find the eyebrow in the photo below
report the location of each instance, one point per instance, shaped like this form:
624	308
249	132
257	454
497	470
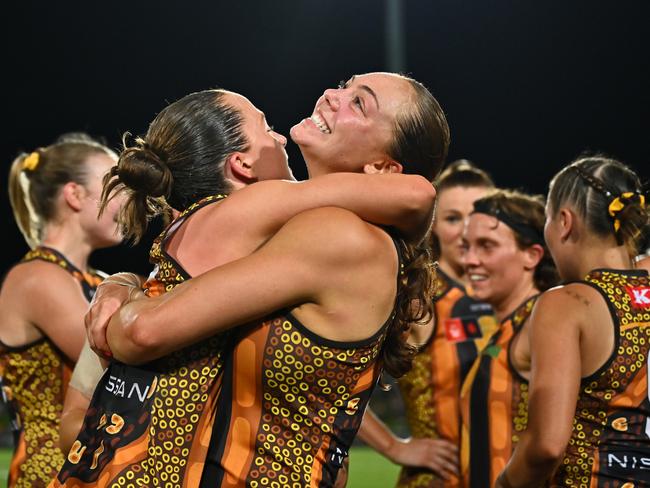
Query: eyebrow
367	89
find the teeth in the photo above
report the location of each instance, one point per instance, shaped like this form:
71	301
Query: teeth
477	277
320	123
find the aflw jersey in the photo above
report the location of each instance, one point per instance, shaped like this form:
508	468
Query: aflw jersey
34	381
494	405
150	425
291	405
431	390
610	444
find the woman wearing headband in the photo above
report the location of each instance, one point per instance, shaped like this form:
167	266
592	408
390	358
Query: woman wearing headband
54	192
590	339
507	266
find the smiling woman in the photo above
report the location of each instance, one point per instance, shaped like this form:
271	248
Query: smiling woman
508	265
322	298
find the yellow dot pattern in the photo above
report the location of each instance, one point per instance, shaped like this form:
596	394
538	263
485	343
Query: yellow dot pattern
35	378
603	413
186	380
311	399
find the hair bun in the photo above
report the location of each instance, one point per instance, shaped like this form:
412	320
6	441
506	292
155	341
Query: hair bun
144	169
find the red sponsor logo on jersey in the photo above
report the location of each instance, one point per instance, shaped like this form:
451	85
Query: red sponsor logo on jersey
454	330
639	296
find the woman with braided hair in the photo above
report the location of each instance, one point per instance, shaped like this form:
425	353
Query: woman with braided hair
54	192
589	411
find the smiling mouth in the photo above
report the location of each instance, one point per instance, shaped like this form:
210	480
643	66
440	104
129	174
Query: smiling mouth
320	123
475	277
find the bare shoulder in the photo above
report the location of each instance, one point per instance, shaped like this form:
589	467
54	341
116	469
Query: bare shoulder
38	279
568	304
339	232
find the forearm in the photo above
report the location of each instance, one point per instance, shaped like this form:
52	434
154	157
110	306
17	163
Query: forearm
377	435
72	417
530	466
69	428
405	202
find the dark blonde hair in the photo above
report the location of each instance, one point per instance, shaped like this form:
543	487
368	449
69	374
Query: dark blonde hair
178	162
524	214
460	173
36	178
421	134
589	185
420	144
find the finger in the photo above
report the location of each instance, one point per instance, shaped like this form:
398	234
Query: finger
445	445
97	330
448	457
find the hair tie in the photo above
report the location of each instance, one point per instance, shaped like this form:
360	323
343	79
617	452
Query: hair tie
31	162
619	203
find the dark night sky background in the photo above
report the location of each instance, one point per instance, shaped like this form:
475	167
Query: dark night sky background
526	86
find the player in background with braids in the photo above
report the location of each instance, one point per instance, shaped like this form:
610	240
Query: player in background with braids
447	349
590	340
54	192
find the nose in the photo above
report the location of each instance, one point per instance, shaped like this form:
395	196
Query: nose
470	257
280	138
331	96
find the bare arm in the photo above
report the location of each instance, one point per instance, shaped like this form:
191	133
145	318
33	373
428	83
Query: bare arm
87	373
40	299
296	266
438	455
554	386
405	202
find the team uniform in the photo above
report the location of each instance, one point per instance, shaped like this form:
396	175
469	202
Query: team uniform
610	443
149	425
35	378
291	405
431	390
494	405
265	404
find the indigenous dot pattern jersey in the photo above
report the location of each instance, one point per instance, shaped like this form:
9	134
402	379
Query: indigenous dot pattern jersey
290	406
150	425
35	378
494	405
610	443
431	390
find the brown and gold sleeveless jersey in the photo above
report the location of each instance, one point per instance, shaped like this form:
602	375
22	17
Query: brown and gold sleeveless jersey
610	443
150	425
290	406
431	390
494	405
35	378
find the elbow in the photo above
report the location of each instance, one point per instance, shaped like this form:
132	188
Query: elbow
423	195
546	454
136	341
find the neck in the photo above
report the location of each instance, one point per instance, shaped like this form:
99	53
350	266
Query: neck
509	304
456	273
70	242
598	254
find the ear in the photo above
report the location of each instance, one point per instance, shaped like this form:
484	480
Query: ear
383	166
238	169
567	224
73	194
532	256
